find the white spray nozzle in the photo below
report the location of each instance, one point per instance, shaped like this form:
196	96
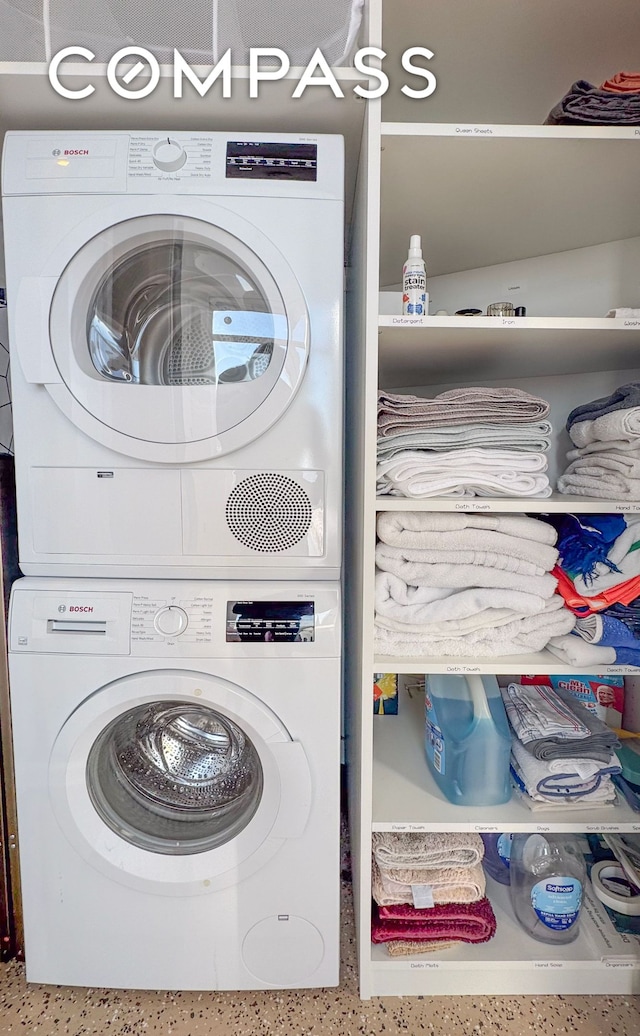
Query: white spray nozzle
415	247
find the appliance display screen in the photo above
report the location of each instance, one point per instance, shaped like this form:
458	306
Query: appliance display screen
249	160
274	621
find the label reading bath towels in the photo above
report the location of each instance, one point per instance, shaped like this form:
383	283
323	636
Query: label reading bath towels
557	901
433	736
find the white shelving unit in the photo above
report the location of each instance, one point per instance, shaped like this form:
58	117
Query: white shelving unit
490	197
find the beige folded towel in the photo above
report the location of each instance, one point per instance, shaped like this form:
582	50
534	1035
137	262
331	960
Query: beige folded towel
426	850
447	884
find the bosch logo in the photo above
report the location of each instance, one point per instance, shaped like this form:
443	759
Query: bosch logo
76	151
56	152
62	607
80	608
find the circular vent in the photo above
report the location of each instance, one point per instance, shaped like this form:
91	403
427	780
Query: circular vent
268	512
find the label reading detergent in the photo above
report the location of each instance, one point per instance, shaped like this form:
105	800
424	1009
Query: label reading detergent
503	847
557	901
433	736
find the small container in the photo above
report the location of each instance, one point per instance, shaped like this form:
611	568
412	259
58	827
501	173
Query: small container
521	311
500	309
415	301
468	312
497	856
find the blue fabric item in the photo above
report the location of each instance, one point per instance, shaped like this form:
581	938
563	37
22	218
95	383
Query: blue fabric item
627	613
628	655
621	398
584	540
615	634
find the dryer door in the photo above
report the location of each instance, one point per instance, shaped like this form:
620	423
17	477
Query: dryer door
173	781
176	338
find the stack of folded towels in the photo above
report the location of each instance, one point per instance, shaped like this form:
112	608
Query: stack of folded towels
429	891
616	102
562	754
598	576
606	434
466	442
466	585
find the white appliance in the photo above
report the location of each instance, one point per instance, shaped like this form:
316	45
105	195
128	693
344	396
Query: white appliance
177	770
175	321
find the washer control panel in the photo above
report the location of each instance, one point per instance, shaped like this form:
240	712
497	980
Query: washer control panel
158	158
158	620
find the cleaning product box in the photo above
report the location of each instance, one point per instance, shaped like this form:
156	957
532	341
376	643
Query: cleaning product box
385	694
604	695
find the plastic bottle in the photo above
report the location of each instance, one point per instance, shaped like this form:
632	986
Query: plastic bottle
497	856
415	301
548	875
467	739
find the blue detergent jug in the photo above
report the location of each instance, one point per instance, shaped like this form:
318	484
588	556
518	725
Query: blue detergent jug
467	739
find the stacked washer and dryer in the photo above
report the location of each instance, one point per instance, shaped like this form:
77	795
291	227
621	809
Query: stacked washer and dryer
176	336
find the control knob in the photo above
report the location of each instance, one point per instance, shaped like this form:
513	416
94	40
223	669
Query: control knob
171	621
168	155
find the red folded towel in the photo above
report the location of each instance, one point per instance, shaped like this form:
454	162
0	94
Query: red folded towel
623	83
466	922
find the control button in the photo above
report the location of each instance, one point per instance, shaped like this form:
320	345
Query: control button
171	621
168	155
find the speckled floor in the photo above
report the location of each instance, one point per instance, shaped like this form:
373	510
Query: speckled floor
65	1011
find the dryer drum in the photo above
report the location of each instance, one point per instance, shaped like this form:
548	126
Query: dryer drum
174	777
179	313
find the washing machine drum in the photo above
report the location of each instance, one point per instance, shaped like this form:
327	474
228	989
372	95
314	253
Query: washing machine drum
174	778
177	339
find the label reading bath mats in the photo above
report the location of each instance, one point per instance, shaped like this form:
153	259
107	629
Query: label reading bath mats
557	901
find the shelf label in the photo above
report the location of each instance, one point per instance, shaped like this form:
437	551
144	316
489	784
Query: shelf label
633	508
463	669
419	965
543	828
602	828
475	131
632	323
549	964
620	964
473	507
509	322
408	321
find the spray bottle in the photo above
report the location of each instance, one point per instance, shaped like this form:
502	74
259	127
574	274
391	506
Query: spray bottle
415	301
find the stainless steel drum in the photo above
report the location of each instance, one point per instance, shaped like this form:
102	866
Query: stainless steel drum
179	312
174	777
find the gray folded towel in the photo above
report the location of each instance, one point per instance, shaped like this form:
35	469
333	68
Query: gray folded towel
622	398
600	744
399	413
586	105
527	438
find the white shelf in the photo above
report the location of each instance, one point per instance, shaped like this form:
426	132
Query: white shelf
434	350
406	798
598	961
557	503
538	662
481	201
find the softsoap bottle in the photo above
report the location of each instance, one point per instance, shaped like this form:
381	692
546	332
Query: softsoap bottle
547	880
415	301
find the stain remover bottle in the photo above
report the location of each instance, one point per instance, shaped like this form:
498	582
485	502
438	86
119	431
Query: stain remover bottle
415	301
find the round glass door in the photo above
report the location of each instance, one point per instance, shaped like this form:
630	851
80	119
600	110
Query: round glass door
180	338
180	312
174	778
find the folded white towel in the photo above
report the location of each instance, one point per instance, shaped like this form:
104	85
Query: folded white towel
392	559
605	486
618	424
425	604
394	523
623	462
574	650
416	474
403	530
521	636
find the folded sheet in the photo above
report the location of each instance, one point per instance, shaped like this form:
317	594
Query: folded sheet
399	413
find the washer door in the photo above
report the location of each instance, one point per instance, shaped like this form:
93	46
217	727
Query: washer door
177	339
177	782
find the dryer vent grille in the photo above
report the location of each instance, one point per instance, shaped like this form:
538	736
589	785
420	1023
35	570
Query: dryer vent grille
269	512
